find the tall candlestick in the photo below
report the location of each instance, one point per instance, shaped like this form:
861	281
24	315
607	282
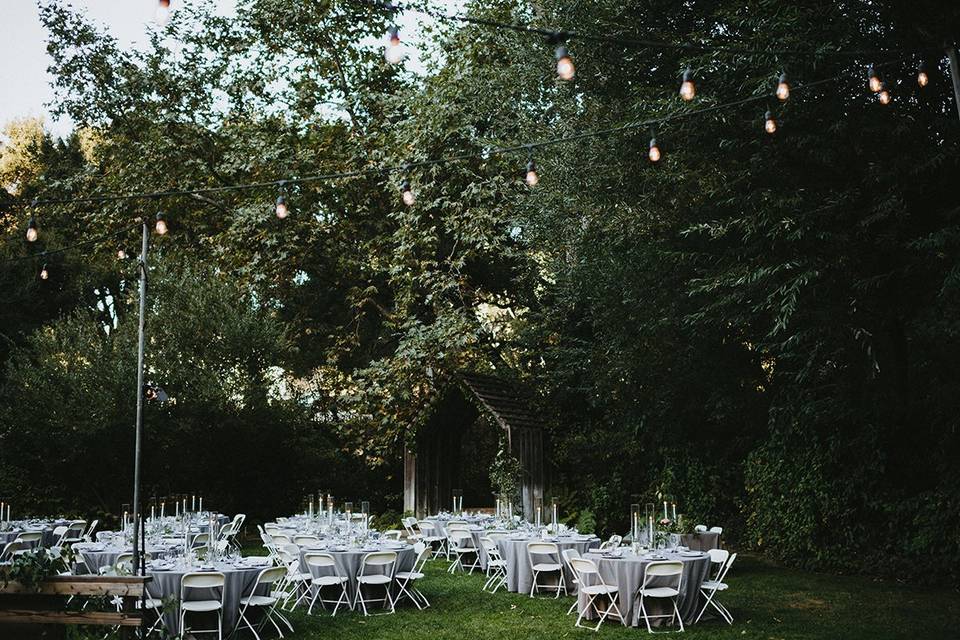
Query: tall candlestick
201	504
674	511
177	503
153	512
162	509
193	502
665	516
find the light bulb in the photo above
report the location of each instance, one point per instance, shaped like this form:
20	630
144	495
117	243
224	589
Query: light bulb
884	95
922	78
687	89
783	87
162	14
769	124
875	84
121	253
407	193
565	68
32	230
44	274
393	51
654	153
532	179
281	209
161	224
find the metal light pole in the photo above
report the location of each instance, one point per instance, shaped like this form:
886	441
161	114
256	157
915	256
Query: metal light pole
954	74
142	267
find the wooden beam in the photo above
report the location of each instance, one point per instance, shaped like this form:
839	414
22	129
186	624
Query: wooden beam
97	618
126	586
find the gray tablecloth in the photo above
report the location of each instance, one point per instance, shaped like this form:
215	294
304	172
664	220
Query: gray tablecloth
519	572
701	541
166	584
96	559
627	574
348	563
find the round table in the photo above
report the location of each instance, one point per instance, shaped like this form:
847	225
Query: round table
513	550
238	580
626	572
348	561
96	556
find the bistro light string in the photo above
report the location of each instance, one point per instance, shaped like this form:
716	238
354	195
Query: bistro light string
687	91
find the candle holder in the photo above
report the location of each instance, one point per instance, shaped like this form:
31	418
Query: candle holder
635	523
538	509
365	510
555	513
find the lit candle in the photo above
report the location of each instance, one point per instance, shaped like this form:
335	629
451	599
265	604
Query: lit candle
124	520
193	502
2	512
665	516
153	514
162	505
201	504
674	511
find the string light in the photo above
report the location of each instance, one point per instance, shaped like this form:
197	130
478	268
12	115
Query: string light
874	80
406	193
393	51
687	89
121	253
769	124
32	229
161	224
783	88
884	95
565	67
281	208
922	78
654	153
531	177
162	14
44	274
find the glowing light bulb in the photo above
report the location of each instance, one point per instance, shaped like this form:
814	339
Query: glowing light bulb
884	95
875	84
922	78
687	89
161	224
654	153
281	208
121	253
32	231
565	68
406	193
532	179
162	13
393	51
783	87
769	124
44	274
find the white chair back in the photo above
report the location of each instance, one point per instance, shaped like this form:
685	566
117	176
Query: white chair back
392	534
30	537
305	540
717	530
383	561
700	528
666	573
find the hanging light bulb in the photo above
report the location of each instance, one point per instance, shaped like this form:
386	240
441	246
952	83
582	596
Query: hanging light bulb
654	153
922	78
687	89
565	68
161	224
393	51
769	124
44	274
783	87
162	14
874	80
531	178
884	95
121	253
406	192
32	230
281	209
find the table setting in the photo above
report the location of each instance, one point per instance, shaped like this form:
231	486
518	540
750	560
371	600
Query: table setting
513	550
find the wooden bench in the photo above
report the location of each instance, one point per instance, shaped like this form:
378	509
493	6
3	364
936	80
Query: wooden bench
48	603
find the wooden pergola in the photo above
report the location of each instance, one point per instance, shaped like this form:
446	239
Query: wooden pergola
433	465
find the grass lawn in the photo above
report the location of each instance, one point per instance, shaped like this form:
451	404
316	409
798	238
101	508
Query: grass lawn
767	602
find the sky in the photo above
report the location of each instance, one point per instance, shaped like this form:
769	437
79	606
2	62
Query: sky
24	82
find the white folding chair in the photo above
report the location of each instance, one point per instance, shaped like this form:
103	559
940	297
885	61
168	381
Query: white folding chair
717	530
700	528
406	580
392	534
461	545
12	549
568	556
31	538
266	580
88	534
718	558
197	580
304	540
536	549
200	540
612	543
324	563
661	581
593	586
409	525
496	565
431	534
709	590
382	564
297	581
59	533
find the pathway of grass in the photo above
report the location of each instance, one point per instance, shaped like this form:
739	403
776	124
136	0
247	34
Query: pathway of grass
767	602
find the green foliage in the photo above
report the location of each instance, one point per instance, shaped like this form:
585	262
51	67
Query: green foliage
506	473
586	522
33	567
